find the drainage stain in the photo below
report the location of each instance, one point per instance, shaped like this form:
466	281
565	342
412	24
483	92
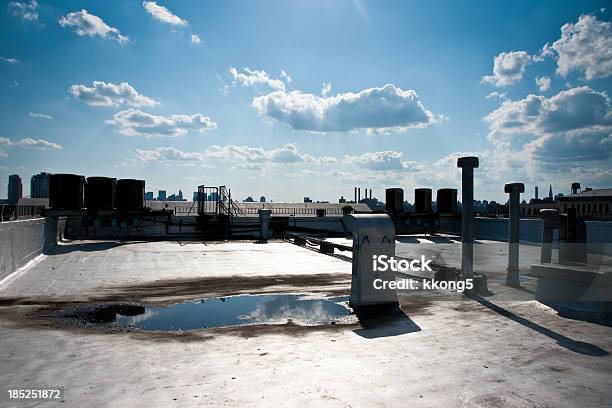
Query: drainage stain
240	310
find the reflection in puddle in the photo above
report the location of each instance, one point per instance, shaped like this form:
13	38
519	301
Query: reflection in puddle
222	312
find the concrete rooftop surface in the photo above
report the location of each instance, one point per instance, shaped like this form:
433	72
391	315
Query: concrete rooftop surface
461	352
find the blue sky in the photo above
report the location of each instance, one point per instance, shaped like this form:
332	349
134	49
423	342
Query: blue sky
307	98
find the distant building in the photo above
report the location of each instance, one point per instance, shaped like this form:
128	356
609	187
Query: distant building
307	200
149	195
249	199
39	185
262	199
14	189
589	203
180	195
550	193
342	200
161	195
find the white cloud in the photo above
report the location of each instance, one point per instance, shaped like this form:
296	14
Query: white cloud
195	39
134	122
384	160
543	83
162	14
41	144
501	95
36	115
245	157
109	94
575	108
509	67
531	137
385	109
27	11
326	89
584	46
286	77
10	60
577	146
85	24
28	142
249	77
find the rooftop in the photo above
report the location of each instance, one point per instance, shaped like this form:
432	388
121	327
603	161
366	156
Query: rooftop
596	192
457	352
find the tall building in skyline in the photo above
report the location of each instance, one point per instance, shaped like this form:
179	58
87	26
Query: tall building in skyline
39	185
161	195
14	189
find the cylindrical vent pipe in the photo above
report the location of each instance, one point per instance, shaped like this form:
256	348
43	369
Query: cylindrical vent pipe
422	200
446	200
394	202
130	194
100	193
66	191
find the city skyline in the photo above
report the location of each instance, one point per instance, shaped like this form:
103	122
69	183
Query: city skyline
308	98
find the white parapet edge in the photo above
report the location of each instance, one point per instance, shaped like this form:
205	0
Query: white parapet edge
20	271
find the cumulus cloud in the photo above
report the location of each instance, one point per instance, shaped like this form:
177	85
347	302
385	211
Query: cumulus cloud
388	160
571	109
109	94
584	46
385	109
286	77
40	144
509	67
195	39
36	115
28	142
543	83
249	77
573	146
85	24
246	157
326	89
162	14
134	122
501	95
9	60
25	10
574	125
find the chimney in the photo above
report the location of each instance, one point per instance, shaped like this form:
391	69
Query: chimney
355	194
536	193
358	194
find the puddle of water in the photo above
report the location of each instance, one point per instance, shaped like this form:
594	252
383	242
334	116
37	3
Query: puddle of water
223	312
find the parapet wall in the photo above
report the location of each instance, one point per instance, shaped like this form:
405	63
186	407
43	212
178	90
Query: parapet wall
21	241
599	233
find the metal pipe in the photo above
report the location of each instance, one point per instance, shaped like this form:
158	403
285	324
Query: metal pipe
514	190
551	220
467	165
